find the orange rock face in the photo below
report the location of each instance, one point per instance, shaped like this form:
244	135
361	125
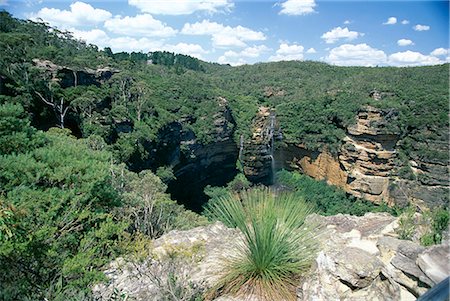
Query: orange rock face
364	163
324	167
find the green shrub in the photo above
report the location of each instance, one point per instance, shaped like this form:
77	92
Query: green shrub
277	247
329	200
439	223
406	224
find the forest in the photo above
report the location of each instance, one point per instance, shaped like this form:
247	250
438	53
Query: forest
80	183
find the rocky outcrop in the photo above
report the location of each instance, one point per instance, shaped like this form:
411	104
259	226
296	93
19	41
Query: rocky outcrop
257	152
366	160
360	258
368	154
427	183
367	164
322	166
198	253
70	77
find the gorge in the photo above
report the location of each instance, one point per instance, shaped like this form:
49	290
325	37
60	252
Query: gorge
108	156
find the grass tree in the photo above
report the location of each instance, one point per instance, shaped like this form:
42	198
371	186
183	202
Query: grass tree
278	247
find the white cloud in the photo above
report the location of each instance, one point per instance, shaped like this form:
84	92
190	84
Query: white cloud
181	7
411	58
311	50
404	42
298	7
80	14
101	39
347	22
130	44
338	33
288	52
254	51
141	25
390	21
194	50
239	58
440	52
223	36
405	22
420	27
356	55
95	36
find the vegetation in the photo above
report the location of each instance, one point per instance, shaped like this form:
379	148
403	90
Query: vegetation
328	200
427	227
73	198
177	88
66	209
278	246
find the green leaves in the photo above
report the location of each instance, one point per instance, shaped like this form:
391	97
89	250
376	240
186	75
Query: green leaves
277	248
328	200
64	197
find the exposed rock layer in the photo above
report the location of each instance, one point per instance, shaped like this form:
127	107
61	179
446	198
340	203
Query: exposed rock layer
367	164
70	77
257	153
360	258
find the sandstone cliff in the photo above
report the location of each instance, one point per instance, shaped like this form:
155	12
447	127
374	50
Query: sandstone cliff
360	258
70	77
367	164
257	153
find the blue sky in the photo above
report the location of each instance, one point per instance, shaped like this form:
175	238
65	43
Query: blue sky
364	33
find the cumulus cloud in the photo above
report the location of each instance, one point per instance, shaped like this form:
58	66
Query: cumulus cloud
288	52
140	25
223	36
80	14
194	50
404	42
181	7
311	50
405	22
390	21
297	7
338	33
126	43
239	58
356	55
411	58
95	36
347	22
420	27
130	44
440	52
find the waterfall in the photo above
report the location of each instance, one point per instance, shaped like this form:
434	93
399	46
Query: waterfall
241	147
272	146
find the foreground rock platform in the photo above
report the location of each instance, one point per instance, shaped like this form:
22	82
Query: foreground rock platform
360	258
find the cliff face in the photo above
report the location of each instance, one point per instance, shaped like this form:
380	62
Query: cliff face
428	181
194	164
367	165
368	154
257	153
70	77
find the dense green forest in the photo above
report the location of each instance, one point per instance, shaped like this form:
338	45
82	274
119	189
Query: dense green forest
73	191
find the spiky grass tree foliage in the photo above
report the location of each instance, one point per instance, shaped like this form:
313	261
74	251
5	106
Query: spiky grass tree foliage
277	246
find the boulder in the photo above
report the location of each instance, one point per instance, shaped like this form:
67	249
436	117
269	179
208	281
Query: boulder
435	262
